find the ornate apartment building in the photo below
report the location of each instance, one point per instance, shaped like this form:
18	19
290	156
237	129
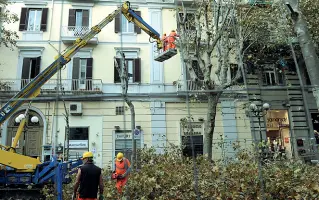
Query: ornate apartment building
90	87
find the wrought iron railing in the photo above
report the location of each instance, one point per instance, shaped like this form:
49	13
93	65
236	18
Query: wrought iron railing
67	85
197	86
74	31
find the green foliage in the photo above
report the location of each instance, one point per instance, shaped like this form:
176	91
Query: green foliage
310	9
268	25
7	37
171	176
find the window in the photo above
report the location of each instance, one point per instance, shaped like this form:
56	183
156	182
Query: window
78	141
127	27
79	133
134	70
315	122
82	73
189	24
79	21
233	71
123	143
119	110
30	69
123	25
190	20
33	19
197	145
197	70
272	76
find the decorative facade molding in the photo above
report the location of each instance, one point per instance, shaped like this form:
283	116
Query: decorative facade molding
82	4
35	3
127	50
30	48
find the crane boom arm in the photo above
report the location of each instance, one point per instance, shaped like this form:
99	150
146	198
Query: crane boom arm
32	89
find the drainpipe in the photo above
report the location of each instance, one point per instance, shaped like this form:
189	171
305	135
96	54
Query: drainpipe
52	6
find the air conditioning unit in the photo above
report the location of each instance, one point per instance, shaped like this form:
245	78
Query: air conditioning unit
75	108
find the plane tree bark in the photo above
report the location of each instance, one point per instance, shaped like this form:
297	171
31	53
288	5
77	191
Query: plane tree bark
123	71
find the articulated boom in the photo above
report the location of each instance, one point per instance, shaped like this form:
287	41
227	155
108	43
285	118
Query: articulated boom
32	89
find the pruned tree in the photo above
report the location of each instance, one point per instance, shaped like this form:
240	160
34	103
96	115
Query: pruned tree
124	75
262	28
211	45
306	43
7	37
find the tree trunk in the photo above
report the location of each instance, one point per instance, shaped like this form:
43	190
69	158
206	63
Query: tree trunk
307	48
133	159
210	124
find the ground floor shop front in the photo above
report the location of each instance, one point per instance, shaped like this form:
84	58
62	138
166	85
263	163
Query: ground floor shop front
105	128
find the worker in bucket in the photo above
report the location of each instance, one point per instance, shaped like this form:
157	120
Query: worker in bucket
171	40
164	39
122	168
88	180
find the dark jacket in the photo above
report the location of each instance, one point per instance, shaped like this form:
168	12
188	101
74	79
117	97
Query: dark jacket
89	180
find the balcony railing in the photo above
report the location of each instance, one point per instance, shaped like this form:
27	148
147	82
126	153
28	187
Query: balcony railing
260	2
192	86
67	85
70	33
74	31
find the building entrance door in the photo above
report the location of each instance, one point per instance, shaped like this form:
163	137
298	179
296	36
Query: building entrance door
30	141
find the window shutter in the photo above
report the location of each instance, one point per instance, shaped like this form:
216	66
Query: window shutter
137	70
89	68
71	17
85	18
44	19
75	73
25	68
117	78
38	65
117	23
23	19
89	73
136	28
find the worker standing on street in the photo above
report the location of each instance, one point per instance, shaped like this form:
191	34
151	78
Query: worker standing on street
122	168
89	179
171	40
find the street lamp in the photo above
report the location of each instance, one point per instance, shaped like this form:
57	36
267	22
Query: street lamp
259	112
34	119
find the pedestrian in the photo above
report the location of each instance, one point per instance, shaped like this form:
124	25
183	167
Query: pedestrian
122	168
88	180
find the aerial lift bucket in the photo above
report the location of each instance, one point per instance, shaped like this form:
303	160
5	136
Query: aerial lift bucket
165	55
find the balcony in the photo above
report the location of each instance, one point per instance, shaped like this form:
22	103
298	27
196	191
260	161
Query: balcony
70	86
71	33
192	86
260	2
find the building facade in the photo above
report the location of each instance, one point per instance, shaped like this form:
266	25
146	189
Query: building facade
89	85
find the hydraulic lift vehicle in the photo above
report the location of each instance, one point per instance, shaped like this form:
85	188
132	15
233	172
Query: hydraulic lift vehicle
19	171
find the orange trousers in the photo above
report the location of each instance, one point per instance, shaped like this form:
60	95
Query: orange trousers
120	183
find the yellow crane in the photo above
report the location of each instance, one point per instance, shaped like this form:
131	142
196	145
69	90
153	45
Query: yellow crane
27	170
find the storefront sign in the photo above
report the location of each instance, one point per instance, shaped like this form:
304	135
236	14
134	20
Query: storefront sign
77	144
277	122
119	136
193	128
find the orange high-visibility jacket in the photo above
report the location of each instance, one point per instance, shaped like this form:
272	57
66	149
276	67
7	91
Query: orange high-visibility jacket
121	167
